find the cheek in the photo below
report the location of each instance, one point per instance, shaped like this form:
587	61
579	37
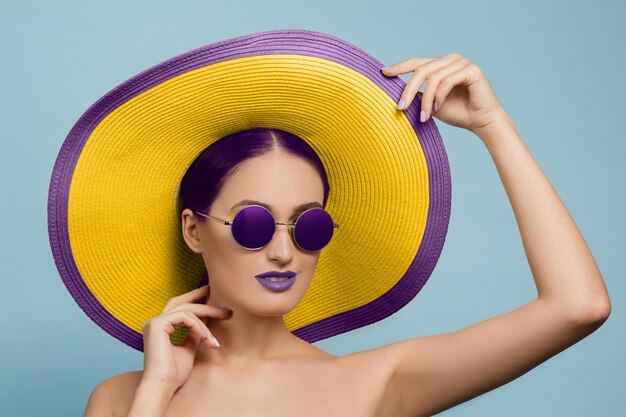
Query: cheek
312	259
222	255
309	264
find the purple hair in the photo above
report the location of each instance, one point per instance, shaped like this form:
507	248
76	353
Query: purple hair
208	172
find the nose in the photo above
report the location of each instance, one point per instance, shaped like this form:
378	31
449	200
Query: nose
281	248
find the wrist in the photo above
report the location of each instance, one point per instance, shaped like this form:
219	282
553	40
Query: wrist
156	385
501	123
152	398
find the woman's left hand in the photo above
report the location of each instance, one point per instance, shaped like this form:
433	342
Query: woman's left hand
463	95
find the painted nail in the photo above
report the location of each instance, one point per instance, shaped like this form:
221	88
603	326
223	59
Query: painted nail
436	106
401	104
215	341
386	68
422	116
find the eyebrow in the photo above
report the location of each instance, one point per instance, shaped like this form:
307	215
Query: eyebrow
267	206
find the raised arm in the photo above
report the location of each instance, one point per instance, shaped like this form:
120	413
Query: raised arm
431	374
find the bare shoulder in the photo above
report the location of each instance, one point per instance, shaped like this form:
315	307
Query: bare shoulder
371	371
362	379
114	395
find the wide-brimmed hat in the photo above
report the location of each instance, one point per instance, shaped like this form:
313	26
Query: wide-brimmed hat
114	227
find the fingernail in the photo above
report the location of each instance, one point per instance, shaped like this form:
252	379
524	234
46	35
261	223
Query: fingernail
226	309
401	104
422	116
436	106
386	68
216	342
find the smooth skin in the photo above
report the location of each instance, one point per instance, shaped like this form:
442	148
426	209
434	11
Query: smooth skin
420	376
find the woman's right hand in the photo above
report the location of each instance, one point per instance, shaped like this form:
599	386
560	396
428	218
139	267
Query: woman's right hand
165	362
464	96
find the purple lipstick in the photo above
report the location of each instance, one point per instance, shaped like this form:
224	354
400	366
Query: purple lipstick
277	281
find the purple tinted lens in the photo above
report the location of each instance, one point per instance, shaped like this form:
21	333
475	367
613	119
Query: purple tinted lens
253	227
314	229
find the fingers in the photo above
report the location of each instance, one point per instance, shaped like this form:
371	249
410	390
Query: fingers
423	73
435	72
169	320
181	310
405	66
202	310
187	297
439	85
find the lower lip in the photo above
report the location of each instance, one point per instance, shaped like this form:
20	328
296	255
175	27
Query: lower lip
277	285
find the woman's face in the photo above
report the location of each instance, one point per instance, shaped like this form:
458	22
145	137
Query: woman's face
283	182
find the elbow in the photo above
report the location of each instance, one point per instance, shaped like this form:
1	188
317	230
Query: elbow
593	306
601	311
594	313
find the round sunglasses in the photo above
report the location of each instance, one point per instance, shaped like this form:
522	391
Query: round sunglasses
254	226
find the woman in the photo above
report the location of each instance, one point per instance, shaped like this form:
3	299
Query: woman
258	358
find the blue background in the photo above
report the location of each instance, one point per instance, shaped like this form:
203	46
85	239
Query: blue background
558	68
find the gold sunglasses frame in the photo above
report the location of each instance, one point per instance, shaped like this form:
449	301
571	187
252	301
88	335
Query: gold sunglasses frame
291	226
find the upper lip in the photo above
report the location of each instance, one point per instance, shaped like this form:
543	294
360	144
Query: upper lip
287	274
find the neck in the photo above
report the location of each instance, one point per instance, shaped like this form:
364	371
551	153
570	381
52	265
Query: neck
246	338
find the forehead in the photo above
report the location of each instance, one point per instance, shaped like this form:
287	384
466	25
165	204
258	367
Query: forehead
279	180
